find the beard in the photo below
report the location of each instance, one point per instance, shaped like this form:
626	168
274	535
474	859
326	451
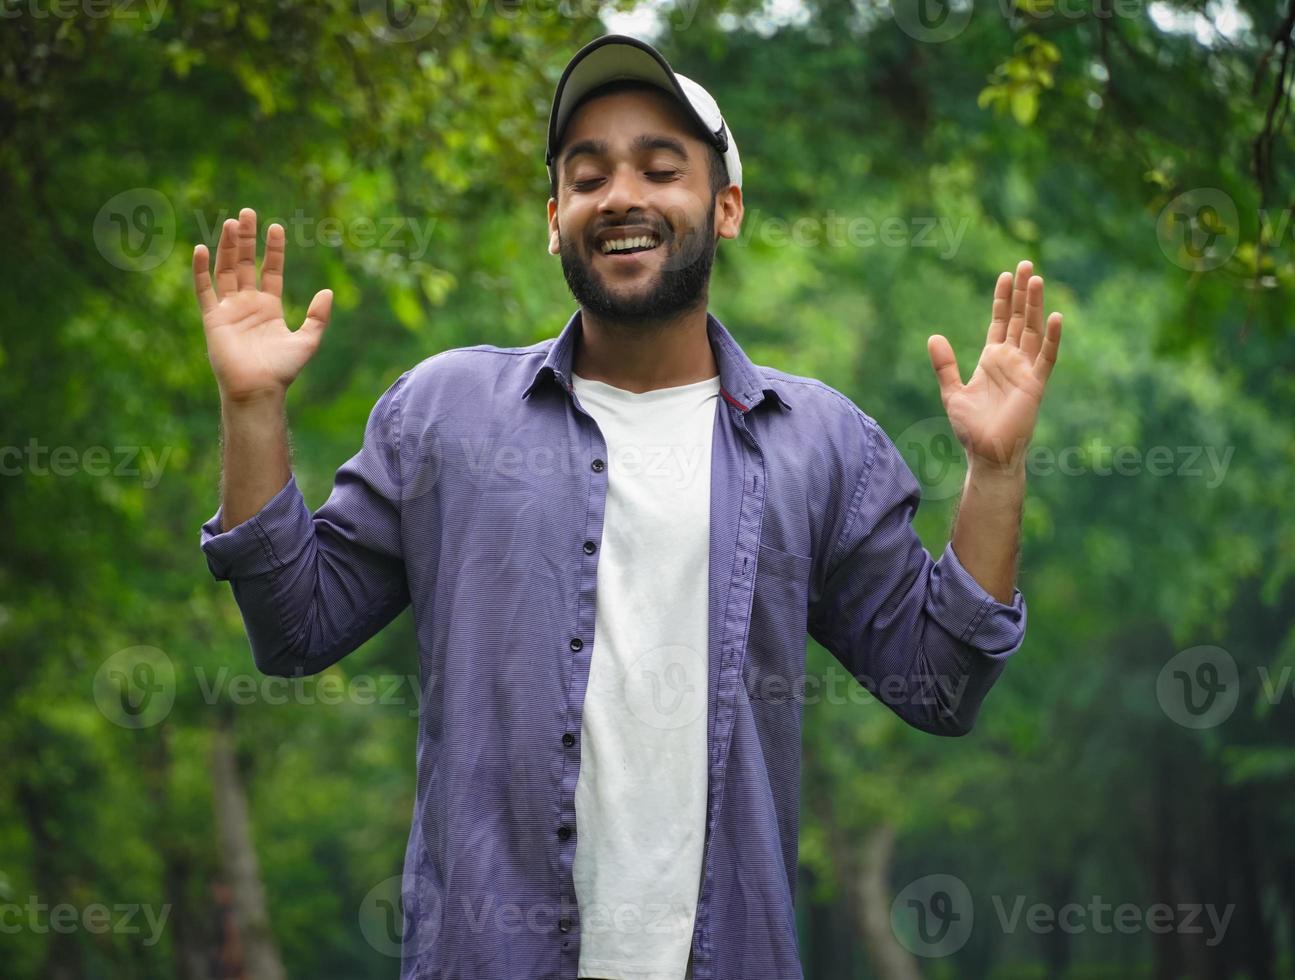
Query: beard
679	284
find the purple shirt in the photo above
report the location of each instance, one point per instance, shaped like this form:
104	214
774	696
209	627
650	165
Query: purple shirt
478	495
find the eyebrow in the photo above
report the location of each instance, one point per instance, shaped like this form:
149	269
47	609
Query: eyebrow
642	143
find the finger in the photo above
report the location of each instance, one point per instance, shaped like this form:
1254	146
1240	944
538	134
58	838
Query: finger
227	258
945	365
1002	306
202	286
1047	358
321	308
272	268
1016	325
246	249
1032	338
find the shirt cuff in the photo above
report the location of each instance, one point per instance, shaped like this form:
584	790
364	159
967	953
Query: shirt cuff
268	540
962	606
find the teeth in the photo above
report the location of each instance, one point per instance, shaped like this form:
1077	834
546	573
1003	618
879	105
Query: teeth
620	244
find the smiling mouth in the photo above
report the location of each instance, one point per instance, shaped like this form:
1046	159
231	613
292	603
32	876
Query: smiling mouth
629	246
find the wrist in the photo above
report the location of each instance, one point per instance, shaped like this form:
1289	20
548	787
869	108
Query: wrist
993	472
261	404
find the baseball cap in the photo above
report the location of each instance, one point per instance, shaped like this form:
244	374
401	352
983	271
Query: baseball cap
615	56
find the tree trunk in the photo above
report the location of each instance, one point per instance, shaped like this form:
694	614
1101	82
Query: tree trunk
1059	886
261	960
188	959
63	959
1165	947
1254	941
890	960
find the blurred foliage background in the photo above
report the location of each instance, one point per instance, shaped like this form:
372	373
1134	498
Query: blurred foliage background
1139	751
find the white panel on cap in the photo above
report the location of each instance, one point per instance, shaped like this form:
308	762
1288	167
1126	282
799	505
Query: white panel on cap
708	109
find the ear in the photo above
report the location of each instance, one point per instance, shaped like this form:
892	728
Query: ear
554	247
728	211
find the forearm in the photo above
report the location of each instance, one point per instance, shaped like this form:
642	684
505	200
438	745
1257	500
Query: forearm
254	457
987	528
311	587
923	634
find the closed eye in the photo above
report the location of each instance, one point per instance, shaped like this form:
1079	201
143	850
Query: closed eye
584	185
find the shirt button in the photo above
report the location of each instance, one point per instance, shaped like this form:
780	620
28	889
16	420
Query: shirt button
568	740
564	924
576	643
564	832
598	465
590	547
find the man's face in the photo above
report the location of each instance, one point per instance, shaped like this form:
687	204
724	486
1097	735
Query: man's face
629	167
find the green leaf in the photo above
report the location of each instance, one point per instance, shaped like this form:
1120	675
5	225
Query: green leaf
1025	104
405	305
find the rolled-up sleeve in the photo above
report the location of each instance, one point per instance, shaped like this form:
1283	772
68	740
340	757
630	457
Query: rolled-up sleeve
313	587
922	635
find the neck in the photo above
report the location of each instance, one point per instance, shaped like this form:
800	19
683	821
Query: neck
641	356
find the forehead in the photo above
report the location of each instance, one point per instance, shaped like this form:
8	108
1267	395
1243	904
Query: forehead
618	117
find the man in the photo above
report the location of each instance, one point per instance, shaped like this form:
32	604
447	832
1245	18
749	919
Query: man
615	543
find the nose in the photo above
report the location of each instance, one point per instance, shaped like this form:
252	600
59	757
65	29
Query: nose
623	191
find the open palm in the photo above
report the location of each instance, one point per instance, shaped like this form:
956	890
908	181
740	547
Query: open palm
993	414
252	350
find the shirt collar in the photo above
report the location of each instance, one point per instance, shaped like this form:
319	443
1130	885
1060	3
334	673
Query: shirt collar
740	381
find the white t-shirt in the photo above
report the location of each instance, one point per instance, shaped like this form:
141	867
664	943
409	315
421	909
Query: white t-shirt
641	794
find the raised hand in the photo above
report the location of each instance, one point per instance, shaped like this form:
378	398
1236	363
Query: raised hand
993	414
253	353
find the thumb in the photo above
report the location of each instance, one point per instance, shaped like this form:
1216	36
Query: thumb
317	315
944	363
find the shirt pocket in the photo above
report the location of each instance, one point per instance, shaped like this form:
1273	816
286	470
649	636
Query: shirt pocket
775	662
